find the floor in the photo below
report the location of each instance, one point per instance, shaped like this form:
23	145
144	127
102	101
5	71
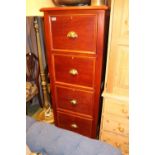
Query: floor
34	110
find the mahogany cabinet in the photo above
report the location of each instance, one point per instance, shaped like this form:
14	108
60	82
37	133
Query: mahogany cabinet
75	39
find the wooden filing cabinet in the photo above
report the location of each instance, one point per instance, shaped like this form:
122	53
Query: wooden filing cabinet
76	50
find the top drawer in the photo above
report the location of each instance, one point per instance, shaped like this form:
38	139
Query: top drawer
74	32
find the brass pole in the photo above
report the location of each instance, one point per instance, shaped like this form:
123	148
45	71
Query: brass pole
46	114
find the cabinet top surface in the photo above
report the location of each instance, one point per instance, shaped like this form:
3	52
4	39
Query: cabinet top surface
103	7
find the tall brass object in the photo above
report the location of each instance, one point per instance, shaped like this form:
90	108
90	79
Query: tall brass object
46	114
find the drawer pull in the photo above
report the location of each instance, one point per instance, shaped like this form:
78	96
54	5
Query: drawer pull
117	144
72	35
124	111
74	126
73	102
121	129
73	72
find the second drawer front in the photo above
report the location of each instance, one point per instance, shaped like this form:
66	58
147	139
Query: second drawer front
74	123
75	100
74	70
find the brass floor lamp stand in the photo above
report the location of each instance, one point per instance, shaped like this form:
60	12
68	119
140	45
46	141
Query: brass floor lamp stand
46	114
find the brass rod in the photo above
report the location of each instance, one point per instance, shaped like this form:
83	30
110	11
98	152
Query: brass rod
42	73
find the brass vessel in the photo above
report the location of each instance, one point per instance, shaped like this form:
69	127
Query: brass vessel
97	2
71	2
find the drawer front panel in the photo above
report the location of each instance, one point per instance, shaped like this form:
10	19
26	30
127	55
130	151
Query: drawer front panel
115	124
116	107
74	32
76	124
121	142
75	100
74	70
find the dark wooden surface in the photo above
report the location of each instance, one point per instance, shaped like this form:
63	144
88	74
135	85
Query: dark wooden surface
84	66
84	100
84	126
83	25
74	8
86	54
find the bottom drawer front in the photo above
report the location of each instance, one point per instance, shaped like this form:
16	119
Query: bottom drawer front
74	123
118	141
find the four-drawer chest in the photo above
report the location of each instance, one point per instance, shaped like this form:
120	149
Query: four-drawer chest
76	39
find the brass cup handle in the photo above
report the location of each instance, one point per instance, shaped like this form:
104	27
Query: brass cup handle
117	144
73	102
124	111
121	129
73	72
74	126
72	35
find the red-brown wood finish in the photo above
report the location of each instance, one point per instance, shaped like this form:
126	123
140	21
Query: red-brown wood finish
62	25
76	100
75	123
84	66
85	53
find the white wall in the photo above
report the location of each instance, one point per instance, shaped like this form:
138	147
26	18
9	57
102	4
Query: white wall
33	6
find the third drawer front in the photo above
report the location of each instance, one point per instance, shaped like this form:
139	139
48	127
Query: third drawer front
74	123
74	70
75	100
